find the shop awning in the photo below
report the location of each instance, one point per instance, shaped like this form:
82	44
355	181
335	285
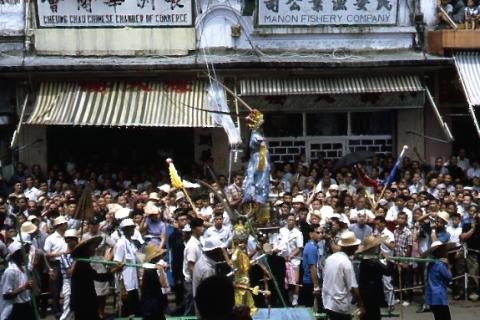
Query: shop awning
122	103
330	85
468	68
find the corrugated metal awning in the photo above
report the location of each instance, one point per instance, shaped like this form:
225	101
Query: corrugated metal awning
142	103
332	85
468	67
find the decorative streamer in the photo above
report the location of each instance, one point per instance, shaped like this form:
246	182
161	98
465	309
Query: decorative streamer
217	102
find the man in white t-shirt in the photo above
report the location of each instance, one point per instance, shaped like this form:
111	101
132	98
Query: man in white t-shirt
386	249
191	254
339	283
126	252
290	243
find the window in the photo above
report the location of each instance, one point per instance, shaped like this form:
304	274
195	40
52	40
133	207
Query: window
369	123
327	124
283	125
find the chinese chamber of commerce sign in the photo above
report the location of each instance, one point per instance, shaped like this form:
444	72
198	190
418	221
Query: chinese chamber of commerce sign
114	13
326	12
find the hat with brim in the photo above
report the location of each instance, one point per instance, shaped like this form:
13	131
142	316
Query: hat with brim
371	242
122	213
444	216
127	223
179	196
59	220
28	227
348	239
151	209
437	245
152	251
13	248
79	250
165	188
316	213
153	196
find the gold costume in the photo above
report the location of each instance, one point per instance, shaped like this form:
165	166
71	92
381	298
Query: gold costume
241	263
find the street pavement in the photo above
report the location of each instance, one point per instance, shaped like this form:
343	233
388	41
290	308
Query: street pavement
464	310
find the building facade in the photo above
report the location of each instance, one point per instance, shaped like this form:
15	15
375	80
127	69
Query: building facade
129	78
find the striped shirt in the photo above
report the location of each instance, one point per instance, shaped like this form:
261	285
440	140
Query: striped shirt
66	262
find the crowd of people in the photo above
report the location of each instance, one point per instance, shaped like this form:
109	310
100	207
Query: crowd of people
460	12
316	220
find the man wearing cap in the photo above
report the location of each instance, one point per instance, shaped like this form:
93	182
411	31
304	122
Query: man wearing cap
339	282
125	252
66	263
103	251
16	287
55	247
191	254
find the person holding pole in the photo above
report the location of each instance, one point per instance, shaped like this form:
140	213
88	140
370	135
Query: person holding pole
83	300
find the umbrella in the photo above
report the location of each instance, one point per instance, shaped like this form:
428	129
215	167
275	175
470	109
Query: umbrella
353	158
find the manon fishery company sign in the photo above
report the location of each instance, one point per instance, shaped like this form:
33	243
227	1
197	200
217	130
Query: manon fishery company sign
114	13
326	12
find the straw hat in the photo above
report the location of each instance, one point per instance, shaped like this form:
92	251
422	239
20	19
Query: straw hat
28	227
179	196
13	248
152	251
127	223
371	242
32	217
78	251
165	188
59	220
348	239
437	245
151	209
122	213
298	199
444	216
153	196
71	233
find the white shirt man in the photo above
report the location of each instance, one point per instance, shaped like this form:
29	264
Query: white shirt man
339	279
288	241
393	212
125	251
31	193
55	243
191	253
224	234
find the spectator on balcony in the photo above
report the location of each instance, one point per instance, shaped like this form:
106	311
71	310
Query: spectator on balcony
471	14
455	10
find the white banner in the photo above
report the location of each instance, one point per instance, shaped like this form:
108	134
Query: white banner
114	13
326	12
12	17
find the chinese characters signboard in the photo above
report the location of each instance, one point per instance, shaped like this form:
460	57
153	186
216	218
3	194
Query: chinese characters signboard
326	12
114	13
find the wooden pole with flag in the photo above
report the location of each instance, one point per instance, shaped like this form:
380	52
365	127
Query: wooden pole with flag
177	182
